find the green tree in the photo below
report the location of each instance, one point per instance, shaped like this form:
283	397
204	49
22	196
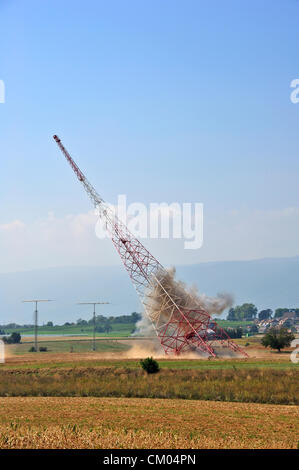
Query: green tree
135	317
239	332
277	338
253	329
50	323
14	338
231	315
150	365
245	312
100	319
100	329
107	327
265	314
280	311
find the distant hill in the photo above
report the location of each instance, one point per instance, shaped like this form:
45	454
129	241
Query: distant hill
268	283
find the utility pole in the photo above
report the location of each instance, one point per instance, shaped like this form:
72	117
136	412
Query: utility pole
94	319
36	318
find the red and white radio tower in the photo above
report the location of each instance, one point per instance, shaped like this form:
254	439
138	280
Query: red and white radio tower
180	327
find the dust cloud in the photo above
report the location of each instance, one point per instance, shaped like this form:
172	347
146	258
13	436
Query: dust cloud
185	297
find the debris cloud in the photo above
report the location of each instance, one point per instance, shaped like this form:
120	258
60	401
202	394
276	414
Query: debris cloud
165	286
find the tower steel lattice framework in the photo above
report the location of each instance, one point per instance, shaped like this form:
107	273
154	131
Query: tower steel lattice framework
179	328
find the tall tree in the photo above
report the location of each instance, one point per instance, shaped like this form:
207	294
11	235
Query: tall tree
245	312
231	315
265	314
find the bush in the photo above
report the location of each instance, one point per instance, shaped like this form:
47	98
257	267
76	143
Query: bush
253	329
32	349
232	332
14	338
150	365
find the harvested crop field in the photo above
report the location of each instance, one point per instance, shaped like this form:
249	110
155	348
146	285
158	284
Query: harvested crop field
39	422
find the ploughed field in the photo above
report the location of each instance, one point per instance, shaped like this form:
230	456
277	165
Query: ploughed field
52	422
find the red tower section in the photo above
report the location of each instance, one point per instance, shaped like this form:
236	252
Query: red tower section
179	327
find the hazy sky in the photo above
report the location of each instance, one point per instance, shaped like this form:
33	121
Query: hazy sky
175	101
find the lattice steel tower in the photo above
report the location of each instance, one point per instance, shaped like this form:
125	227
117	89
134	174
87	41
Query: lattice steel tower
180	326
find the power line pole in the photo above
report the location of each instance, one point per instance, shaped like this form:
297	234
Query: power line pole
36	318
94	319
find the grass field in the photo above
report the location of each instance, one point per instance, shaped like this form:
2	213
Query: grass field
264	377
234	385
72	345
144	423
102	360
118	329
233	324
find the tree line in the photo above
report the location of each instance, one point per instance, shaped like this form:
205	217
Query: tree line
100	320
249	312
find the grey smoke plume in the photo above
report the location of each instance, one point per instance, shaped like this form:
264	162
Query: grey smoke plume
185	297
144	326
216	305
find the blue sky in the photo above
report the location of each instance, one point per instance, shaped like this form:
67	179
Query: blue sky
160	100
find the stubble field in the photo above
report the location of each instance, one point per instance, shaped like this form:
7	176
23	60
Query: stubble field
40	422
102	399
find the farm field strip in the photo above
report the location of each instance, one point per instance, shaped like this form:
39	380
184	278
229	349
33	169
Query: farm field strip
144	423
114	355
70	345
235	385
